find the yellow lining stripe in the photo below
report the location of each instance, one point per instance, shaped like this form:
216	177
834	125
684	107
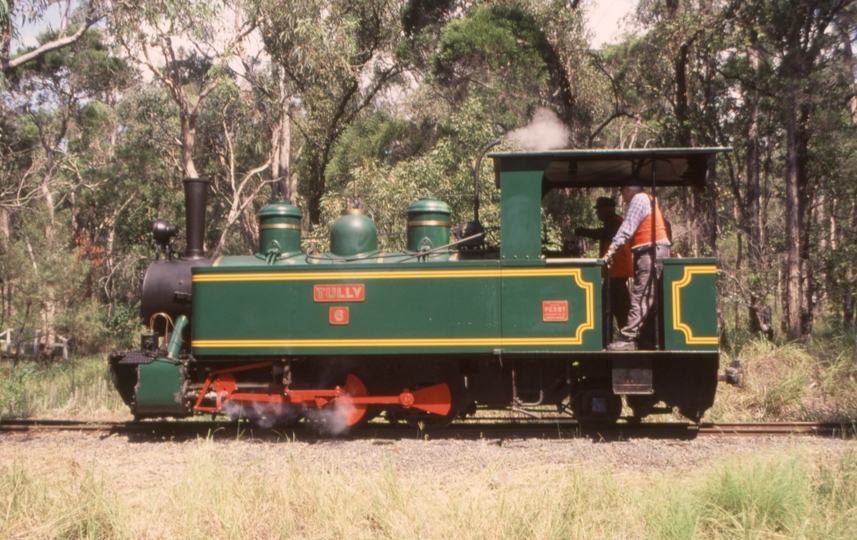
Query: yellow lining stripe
428	223
464	342
279	226
690	339
408	274
589	324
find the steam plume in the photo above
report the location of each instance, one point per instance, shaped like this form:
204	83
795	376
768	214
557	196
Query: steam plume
264	416
544	132
331	420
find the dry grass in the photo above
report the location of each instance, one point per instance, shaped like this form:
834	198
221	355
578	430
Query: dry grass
793	382
77	389
771	494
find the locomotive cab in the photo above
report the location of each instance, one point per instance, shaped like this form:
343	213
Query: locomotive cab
685	346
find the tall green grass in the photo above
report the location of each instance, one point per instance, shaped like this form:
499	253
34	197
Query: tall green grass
767	496
78	388
770	494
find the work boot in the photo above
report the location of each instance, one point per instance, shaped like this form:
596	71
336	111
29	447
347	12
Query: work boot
622	345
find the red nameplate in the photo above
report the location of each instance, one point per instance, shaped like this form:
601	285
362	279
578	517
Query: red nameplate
339	293
555	310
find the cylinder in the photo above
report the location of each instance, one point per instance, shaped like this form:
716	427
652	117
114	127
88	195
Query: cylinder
279	229
428	224
195	191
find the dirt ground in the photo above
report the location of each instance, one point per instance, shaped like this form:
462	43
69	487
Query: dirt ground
136	466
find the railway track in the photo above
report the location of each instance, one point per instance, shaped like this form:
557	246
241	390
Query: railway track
468	430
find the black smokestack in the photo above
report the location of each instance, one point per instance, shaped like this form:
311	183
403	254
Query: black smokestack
195	191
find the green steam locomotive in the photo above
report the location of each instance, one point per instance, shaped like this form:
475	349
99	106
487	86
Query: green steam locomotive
452	325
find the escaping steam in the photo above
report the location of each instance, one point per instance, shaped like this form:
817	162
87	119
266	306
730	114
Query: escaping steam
264	416
332	419
544	132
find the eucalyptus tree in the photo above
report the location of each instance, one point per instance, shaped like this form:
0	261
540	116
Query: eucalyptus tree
56	133
77	17
501	51
185	46
800	39
338	58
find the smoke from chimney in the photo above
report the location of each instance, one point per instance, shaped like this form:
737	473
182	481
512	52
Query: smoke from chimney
544	132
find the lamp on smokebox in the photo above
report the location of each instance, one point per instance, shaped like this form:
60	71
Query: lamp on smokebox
164	233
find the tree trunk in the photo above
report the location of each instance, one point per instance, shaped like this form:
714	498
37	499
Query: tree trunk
188	123
794	225
807	281
760	311
822	220
282	188
848	300
753	217
845	32
681	106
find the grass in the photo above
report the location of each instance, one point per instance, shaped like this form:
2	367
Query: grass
816	381
770	494
77	389
72	504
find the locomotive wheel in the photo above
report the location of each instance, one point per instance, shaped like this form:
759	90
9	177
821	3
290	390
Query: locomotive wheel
596	404
424	420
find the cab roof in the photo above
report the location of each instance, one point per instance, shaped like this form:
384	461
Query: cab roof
610	168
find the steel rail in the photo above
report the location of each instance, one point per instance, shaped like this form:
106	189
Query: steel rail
465	430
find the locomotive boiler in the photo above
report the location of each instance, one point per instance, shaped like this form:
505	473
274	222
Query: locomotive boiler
451	325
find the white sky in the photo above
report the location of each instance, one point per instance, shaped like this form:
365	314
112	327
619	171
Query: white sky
604	20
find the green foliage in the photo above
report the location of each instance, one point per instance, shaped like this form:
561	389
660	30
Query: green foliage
502	53
331	53
387	186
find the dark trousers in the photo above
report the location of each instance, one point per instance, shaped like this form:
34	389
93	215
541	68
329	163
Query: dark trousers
620	300
643	295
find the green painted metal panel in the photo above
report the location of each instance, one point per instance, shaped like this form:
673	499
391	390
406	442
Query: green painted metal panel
551	308
690	304
364	309
520	210
279	229
159	388
428	224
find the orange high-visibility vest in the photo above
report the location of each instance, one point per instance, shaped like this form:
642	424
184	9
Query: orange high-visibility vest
643	235
623	262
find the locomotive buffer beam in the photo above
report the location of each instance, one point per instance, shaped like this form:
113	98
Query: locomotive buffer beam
351	400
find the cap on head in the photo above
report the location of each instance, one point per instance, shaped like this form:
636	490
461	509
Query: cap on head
633	182
605	202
